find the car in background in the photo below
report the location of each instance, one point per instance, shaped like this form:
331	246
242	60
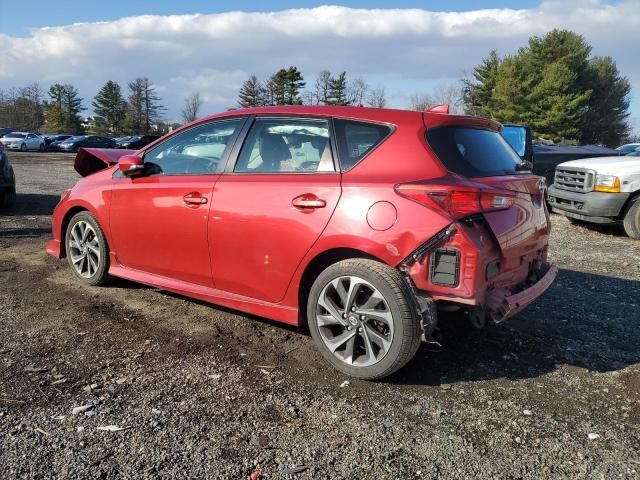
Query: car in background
72	144
137	141
49	139
23	141
7	180
600	190
628	148
4	131
359	223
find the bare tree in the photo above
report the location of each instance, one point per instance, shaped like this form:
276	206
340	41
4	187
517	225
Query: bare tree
377	97
357	91
191	108
443	94
322	88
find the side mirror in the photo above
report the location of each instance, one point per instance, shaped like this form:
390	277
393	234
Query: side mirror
131	165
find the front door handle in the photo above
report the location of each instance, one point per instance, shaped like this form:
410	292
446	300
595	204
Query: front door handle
194	198
308	200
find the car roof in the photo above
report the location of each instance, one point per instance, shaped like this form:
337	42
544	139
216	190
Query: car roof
383	115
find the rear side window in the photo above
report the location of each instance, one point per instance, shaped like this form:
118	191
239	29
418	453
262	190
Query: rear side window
472	152
356	139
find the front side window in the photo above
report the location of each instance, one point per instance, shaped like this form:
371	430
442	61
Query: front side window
357	139
197	151
286	146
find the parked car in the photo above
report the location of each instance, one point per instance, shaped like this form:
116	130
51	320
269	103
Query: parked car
600	190
72	144
4	131
628	148
545	158
357	222
49	139
23	141
7	180
137	141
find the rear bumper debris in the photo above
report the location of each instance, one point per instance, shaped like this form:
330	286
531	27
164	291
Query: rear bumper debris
501	304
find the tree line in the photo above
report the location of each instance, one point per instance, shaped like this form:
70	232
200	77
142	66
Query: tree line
288	87
136	111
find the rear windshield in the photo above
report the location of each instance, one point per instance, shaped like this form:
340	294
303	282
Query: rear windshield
472	152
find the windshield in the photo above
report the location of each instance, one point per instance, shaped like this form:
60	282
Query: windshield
15	135
628	148
517	138
75	139
473	152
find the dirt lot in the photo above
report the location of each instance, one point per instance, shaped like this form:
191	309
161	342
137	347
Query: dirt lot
211	393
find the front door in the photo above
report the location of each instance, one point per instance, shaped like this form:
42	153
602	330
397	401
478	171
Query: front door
273	206
159	220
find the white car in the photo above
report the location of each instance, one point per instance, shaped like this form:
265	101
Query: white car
23	141
600	190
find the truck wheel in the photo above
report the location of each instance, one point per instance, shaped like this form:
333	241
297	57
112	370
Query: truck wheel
631	220
362	319
87	250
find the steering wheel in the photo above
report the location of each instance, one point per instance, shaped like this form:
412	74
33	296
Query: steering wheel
310	166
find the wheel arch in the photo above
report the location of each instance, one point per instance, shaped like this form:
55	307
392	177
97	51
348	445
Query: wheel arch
318	264
65	223
627	205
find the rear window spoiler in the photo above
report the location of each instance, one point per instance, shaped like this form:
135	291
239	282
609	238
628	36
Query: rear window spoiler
92	160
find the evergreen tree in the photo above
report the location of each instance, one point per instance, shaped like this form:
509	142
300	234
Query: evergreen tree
294	83
143	107
62	114
338	90
554	87
251	93
109	104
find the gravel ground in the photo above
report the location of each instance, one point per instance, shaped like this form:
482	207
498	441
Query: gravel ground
202	392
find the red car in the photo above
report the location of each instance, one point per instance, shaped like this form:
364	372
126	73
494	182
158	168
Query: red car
358	223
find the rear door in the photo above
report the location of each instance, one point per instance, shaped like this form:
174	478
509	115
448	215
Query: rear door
272	205
159	221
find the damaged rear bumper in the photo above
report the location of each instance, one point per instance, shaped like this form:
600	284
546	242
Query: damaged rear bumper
502	304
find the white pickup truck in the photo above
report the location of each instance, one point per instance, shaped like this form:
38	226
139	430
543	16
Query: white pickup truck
599	190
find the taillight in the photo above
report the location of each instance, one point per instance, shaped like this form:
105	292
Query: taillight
456	201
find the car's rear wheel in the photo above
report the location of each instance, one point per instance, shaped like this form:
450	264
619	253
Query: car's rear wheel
631	222
362	319
87	251
41	147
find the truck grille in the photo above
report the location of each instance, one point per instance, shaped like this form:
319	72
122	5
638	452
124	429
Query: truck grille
574	179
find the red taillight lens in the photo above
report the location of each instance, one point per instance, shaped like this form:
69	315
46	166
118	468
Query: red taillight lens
456	201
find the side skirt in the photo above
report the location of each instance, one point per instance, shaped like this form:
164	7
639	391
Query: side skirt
280	313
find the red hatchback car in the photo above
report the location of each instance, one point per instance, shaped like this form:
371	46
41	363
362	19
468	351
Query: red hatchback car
359	223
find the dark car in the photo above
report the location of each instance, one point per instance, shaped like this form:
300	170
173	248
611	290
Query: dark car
49	139
72	144
7	181
4	131
137	142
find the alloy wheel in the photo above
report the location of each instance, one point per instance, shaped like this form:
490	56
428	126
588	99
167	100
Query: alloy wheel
354	321
84	249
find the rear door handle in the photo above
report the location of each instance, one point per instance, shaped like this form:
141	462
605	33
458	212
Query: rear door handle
194	198
308	200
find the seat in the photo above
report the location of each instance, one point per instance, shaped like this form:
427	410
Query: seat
273	150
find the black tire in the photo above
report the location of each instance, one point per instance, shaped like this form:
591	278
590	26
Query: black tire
405	339
41	147
99	275
631	221
7	198
23	147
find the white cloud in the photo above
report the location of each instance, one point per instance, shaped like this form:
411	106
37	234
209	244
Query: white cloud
215	53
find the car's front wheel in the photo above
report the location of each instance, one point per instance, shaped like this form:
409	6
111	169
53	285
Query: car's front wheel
87	251
631	221
23	147
41	147
362	319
